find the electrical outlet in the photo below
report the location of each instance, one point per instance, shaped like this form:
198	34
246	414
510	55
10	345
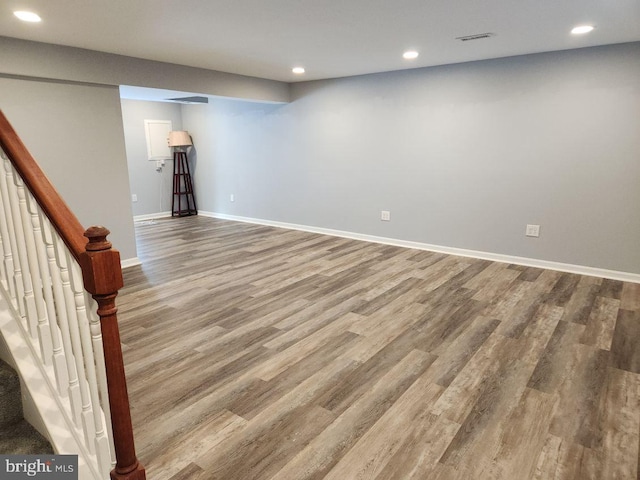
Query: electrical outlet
532	231
134	197
385	216
232	198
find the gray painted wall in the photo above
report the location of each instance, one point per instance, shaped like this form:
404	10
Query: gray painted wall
42	60
75	133
463	156
153	188
47	88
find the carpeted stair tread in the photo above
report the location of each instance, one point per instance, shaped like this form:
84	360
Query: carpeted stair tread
10	401
9	382
17	436
22	439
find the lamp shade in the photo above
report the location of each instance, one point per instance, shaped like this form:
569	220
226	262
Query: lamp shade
179	138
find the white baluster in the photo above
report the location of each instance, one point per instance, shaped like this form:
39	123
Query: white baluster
101	440
98	351
17	286
3	271
36	268
29	300
4	276
57	264
84	418
50	274
7	255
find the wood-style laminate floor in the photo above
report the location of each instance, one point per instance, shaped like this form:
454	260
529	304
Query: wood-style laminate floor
262	353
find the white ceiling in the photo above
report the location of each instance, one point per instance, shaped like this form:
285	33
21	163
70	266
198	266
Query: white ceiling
330	38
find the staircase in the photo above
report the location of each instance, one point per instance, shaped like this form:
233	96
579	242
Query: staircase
59	324
16	435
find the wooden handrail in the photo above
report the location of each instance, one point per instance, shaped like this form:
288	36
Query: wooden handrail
102	275
61	216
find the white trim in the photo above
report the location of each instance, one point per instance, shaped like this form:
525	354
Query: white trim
151	216
130	262
495	257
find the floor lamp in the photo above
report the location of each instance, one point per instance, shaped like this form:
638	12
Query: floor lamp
183	202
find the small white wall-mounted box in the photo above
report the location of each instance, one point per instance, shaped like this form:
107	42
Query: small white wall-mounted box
532	231
385	216
157	132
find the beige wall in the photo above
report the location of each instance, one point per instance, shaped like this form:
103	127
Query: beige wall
75	133
152	186
42	60
48	91
463	156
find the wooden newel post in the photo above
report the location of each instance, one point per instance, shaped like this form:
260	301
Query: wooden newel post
103	278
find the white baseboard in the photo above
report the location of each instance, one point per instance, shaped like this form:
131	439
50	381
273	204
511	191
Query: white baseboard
130	262
461	252
151	216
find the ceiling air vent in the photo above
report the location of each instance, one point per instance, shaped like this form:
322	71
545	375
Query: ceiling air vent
190	100
477	36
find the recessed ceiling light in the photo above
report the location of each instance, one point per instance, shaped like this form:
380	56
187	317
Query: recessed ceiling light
298	70
410	55
582	29
27	16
